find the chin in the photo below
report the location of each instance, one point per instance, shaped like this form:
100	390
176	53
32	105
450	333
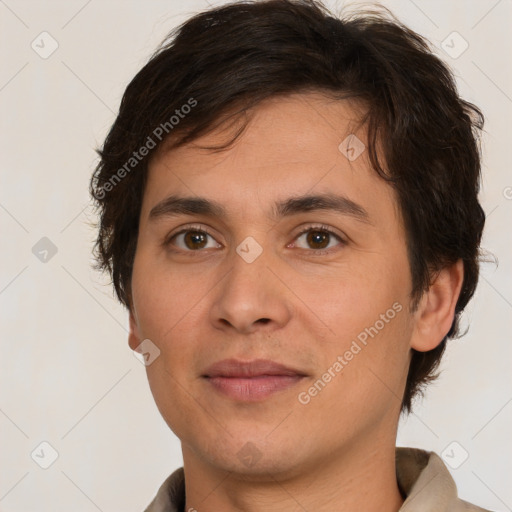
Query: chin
255	457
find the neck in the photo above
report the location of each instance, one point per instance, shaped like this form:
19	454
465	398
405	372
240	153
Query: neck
362	478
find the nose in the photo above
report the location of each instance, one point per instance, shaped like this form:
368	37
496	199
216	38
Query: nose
251	296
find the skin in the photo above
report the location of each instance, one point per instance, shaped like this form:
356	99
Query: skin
200	306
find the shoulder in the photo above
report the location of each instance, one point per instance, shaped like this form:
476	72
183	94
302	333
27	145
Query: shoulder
427	483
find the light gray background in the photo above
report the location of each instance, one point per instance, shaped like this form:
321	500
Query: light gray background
68	376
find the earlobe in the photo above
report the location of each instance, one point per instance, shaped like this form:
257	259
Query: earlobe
435	313
134	338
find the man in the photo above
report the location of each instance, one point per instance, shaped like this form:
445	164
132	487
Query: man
288	208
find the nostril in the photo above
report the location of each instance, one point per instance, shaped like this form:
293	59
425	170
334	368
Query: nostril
264	320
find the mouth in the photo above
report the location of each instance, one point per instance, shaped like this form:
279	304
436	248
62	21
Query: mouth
251	381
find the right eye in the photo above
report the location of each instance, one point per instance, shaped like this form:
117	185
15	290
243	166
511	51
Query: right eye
192	239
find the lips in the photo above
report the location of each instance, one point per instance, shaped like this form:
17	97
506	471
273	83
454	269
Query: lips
251	381
246	369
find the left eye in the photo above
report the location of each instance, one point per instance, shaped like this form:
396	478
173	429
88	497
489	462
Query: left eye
318	238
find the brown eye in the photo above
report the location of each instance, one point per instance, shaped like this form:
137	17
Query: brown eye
195	239
319	239
192	240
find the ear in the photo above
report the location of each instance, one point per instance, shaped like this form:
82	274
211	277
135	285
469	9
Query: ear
134	338
435	313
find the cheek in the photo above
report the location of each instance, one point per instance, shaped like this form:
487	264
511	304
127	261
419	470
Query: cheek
352	299
369	329
369	368
172	309
164	299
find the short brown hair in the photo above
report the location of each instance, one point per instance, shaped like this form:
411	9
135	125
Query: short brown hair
236	55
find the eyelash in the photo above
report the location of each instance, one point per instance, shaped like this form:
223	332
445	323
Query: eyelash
199	229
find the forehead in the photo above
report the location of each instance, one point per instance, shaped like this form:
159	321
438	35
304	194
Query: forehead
303	123
292	146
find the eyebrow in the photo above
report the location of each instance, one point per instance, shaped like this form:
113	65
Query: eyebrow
177	205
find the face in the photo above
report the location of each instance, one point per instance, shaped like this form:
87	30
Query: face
257	271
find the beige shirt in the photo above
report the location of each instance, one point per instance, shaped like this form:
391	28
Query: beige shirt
422	476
